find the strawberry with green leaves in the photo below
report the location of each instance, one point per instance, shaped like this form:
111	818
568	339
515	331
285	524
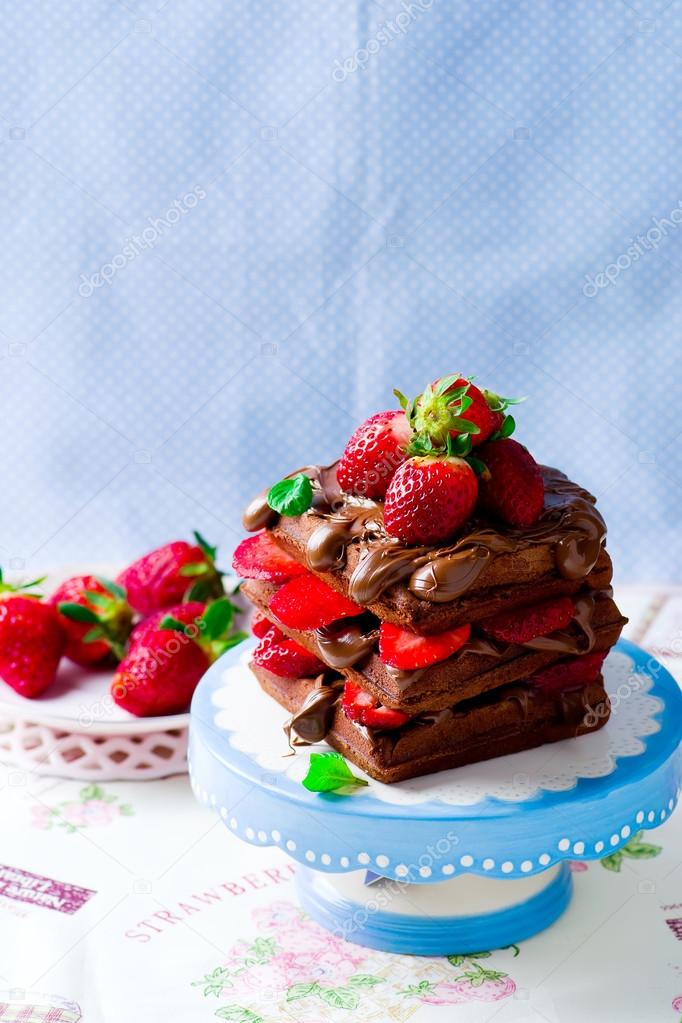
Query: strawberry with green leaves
172	573
95	617
187	614
452	415
161	671
31	639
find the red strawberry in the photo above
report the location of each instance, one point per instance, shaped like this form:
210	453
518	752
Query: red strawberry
159	675
188	614
478	412
429	499
285	658
569	673
31	642
166	575
308	603
260	624
95	617
373	454
359	706
163	666
259	557
526	623
515	491
403	649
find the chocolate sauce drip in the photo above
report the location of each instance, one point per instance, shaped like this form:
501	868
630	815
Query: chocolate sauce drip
326	493
569	521
344	643
315	717
326	548
573	706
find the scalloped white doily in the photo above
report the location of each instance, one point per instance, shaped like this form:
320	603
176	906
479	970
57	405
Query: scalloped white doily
255	722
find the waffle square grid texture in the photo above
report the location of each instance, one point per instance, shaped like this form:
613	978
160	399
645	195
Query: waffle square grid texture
230	230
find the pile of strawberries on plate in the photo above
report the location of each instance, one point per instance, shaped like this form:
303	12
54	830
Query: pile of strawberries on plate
160	625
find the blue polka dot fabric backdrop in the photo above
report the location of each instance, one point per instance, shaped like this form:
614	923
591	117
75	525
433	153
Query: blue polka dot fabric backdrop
230	230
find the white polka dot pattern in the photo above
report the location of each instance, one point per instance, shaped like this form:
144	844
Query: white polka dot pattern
392	190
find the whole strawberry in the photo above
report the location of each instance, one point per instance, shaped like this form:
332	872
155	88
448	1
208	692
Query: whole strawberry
95	617
31	640
188	614
373	454
513	489
452	416
429	499
471	405
159	675
171	573
161	671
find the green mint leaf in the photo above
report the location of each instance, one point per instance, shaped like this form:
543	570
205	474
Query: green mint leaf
78	613
217	618
328	772
113	588
291	496
98	599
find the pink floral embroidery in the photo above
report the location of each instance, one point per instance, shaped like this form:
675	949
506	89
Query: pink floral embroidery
677	1003
93	808
296	967
577	866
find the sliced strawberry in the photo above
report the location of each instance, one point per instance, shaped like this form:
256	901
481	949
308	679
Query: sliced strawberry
359	706
259	557
567	674
403	649
285	658
384	717
308	603
526	623
260	624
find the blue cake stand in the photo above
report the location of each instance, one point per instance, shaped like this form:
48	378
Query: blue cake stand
460	861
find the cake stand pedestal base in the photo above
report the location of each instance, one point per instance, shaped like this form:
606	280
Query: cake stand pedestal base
462	861
467	913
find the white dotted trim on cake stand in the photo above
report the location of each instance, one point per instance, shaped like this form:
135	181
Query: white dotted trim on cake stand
565	848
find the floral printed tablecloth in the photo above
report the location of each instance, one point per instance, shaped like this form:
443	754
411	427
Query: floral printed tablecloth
128	901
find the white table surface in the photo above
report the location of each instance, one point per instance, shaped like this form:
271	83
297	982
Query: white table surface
184	922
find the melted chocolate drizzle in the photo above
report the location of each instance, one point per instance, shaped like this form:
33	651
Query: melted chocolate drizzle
315	717
569	520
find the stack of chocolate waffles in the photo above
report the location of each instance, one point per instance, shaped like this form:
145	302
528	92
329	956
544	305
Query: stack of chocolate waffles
434	598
